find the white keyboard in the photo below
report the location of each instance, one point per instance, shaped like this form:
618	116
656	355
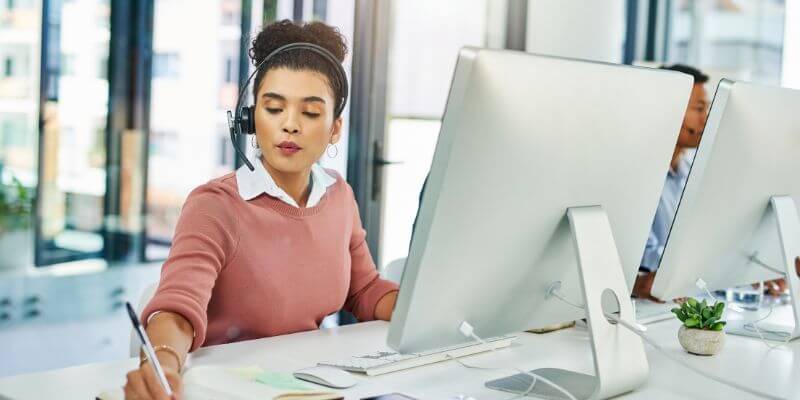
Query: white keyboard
383	362
648	312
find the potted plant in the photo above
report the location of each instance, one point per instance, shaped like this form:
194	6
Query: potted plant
701	332
16	234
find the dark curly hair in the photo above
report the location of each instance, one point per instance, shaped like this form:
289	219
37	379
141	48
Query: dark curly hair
284	32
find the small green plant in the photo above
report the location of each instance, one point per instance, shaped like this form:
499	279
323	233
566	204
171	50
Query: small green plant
700	315
16	205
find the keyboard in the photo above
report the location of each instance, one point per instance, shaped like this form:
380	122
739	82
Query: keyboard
383	362
648	312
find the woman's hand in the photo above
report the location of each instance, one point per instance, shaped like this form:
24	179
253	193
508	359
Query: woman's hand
174	332
143	383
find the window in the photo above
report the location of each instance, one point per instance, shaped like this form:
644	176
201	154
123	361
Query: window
67	64
225	151
417	88
163	143
737	39
165	65
320	10
188	133
229	70
8	67
20	29
72	188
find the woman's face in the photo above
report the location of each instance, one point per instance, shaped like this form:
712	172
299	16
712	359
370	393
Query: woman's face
294	119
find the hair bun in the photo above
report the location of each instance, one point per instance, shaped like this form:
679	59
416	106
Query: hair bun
285	32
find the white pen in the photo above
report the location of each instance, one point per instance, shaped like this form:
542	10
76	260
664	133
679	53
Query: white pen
148	349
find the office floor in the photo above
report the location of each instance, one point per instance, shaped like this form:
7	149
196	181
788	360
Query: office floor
47	344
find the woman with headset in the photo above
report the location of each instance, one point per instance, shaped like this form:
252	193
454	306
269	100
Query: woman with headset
273	249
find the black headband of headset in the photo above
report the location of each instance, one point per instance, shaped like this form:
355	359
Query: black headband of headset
236	121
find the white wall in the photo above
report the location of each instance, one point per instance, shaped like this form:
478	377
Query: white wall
592	30
791	45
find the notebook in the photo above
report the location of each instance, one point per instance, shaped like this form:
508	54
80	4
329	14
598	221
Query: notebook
227	383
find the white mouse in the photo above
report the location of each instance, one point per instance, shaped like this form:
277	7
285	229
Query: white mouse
327	376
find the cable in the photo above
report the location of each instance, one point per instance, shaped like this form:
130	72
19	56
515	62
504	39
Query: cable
469	332
655	345
640	332
702	285
465	365
754	324
562	298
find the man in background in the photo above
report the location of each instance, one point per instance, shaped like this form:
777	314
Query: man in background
694	122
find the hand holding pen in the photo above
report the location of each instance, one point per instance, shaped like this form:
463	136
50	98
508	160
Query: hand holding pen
150	381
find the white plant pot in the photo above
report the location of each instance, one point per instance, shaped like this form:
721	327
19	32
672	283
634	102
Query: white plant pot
16	249
701	342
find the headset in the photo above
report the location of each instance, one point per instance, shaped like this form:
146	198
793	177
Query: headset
242	122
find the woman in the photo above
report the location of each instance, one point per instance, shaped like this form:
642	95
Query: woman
271	251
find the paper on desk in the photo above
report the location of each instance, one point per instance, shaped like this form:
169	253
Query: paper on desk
244	383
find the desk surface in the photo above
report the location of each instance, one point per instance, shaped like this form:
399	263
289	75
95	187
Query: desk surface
745	360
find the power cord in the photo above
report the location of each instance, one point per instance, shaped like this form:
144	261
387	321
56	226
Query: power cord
753	325
639	330
469	332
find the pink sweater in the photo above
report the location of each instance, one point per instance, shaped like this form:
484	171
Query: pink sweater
241	270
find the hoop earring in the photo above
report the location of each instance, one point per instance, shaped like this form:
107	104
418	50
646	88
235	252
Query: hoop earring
336	151
253	142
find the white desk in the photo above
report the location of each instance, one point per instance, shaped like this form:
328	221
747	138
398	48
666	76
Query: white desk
744	359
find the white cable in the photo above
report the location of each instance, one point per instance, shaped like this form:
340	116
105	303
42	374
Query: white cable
754	324
465	365
689	366
562	298
702	285
468	331
640	332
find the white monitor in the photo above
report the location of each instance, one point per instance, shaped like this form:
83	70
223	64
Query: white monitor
737	219
524	139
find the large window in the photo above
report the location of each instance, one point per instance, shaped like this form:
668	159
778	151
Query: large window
737	39
194	81
20	27
418	84
109	171
72	186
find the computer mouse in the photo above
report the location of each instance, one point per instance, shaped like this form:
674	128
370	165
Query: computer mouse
327	376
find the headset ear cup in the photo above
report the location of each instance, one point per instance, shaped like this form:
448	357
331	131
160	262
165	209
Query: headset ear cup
248	122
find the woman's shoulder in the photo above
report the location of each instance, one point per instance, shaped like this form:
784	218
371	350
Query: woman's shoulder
222	189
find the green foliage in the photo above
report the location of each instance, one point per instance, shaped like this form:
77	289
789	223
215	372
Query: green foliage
700	315
16	206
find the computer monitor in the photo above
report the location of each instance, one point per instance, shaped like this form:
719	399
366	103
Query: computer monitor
538	161
737	219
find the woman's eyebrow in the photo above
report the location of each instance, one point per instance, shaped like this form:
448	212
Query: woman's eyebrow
313	99
309	99
275	96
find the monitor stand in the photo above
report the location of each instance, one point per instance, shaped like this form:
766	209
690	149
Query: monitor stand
620	362
782	218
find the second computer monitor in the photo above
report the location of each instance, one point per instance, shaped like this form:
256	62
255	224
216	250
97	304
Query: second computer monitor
725	230
523	139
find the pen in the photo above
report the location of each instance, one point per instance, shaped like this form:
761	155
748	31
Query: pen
148	349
